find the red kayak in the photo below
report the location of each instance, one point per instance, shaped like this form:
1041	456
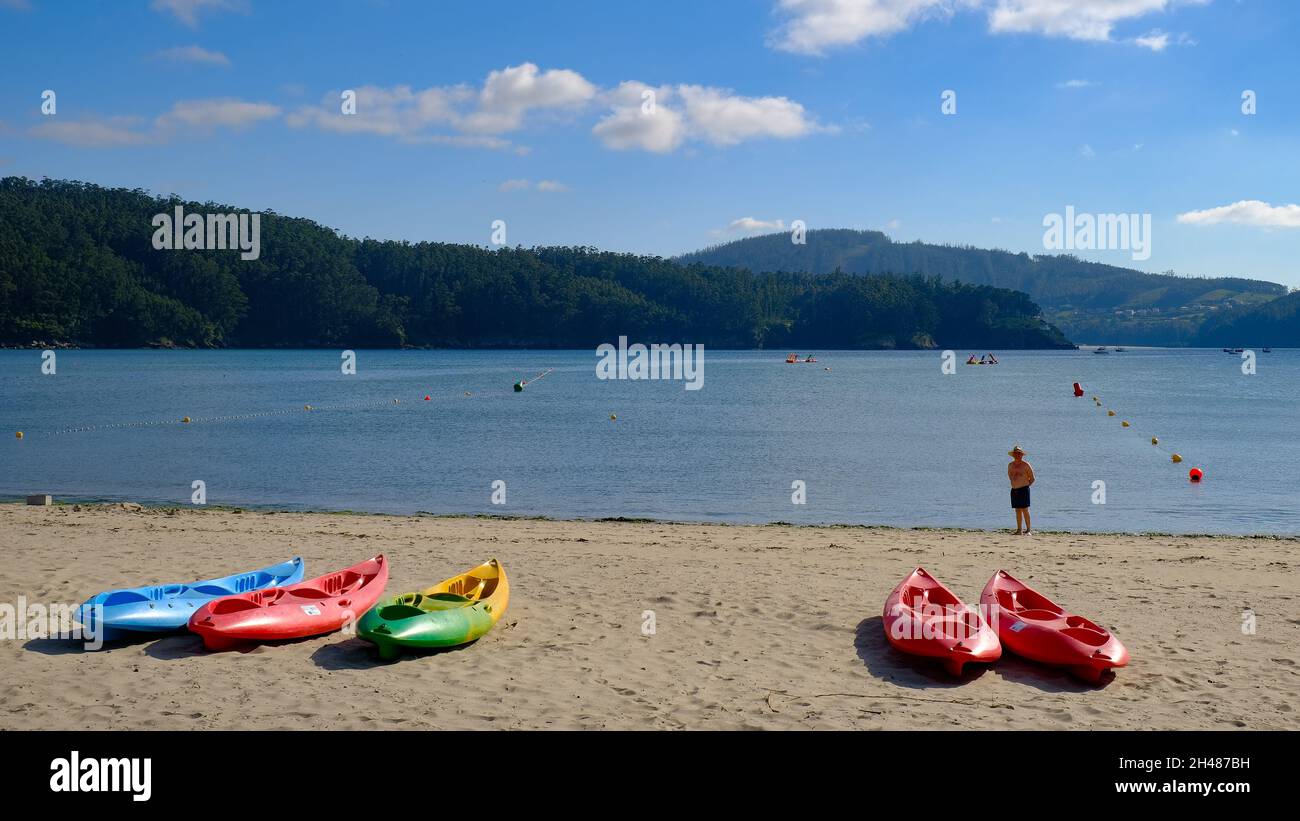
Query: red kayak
924	618
1032	626
310	608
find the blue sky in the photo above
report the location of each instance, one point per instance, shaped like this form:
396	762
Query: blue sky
827	111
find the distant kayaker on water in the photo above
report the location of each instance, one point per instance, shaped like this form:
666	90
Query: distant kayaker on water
1021	474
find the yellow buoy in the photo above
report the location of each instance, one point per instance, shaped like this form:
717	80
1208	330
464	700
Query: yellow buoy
18	435
185	420
1175	458
1125	424
613	417
1155	441
1110	413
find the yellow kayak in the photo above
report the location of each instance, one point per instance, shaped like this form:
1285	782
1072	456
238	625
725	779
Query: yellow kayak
454	611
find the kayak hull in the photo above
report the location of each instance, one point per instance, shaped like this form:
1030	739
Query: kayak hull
924	618
1034	627
115	614
453	612
311	608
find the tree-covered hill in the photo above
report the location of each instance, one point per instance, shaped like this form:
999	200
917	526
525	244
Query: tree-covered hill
77	265
1275	323
1090	301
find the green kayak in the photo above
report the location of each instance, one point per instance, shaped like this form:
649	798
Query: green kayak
456	611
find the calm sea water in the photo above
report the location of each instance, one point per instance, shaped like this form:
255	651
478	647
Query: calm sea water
879	438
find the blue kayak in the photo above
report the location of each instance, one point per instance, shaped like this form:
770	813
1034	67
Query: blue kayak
165	607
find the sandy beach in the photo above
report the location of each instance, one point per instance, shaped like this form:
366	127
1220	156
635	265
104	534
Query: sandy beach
770	627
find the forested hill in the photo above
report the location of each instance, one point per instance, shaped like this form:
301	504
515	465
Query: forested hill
77	265
1275	323
1089	301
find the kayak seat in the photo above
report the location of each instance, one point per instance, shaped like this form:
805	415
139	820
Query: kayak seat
921	597
215	590
1092	638
309	592
396	612
124	597
340	583
233	605
1025	600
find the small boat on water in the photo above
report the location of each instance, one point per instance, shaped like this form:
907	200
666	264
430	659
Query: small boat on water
1120	350
793	359
1268	350
1102	349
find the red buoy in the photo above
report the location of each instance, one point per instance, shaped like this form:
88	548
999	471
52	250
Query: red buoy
1078	391
426	397
1195	474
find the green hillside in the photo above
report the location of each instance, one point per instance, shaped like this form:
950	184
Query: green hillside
1083	298
77	265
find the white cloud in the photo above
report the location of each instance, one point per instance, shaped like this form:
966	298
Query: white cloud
813	26
1075	19
225	112
113	132
545	186
1246	212
500	105
632	124
1156	40
194	54
894	225
185	117
1086	151
187	11
507	95
690	112
1234	132
749	225
1076	84
398	111
723	118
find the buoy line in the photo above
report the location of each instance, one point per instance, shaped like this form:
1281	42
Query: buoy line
233	417
522	383
1195	474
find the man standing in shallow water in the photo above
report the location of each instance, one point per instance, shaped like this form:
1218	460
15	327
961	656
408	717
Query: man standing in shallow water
1021	474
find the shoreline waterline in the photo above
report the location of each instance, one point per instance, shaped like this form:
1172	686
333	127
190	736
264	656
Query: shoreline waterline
273	509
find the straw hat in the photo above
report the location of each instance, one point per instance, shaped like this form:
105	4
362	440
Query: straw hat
1016	451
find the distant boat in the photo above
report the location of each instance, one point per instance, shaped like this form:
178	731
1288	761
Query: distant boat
1102	349
1268	350
1120	350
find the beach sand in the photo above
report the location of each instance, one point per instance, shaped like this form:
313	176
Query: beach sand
755	627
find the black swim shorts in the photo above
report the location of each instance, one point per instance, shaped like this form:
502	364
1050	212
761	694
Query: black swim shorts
1020	497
